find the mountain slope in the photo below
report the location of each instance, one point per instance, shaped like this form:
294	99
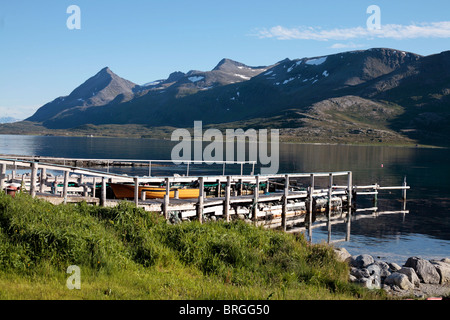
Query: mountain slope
285	85
99	90
423	90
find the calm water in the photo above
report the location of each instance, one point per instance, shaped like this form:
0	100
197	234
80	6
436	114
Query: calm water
424	231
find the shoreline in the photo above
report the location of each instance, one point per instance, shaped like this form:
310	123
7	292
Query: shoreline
286	140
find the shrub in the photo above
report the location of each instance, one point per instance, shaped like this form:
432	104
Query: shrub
61	234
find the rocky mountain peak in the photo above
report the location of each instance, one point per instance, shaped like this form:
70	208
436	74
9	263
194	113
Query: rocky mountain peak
226	64
175	76
100	89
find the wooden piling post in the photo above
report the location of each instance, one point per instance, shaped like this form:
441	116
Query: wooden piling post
94	183
103	196
14	171
255	201
404	196
349	189
404	190
330	194
136	191
375	196
34	168
166	200
218	191
43	179
240	188
201	199
66	185
285	202
226	203
349	199
2	176
311	207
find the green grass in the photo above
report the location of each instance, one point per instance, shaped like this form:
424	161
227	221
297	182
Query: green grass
128	253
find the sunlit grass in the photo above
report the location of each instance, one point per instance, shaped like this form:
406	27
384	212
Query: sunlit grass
128	253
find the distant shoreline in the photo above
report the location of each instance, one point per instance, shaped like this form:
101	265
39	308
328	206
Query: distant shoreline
283	139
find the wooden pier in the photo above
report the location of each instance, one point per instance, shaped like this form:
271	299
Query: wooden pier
295	202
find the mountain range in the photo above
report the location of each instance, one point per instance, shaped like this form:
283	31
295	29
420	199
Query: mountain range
376	95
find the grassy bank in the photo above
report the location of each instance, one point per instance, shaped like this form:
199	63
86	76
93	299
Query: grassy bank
127	253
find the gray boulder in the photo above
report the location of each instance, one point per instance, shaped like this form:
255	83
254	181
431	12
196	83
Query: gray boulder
359	273
394	267
370	283
399	279
443	268
411	274
362	261
384	269
342	254
374	270
375	273
425	270
376	283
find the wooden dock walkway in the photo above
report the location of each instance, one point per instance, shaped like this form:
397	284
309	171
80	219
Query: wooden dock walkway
297	202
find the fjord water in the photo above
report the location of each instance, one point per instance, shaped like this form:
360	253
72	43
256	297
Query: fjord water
424	231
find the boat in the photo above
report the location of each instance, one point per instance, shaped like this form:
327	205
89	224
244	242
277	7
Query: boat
126	191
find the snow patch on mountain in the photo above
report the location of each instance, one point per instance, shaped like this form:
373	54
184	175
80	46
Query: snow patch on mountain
196	78
287	81
242	76
316	62
153	83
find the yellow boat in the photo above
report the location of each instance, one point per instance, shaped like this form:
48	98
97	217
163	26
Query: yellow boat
126	191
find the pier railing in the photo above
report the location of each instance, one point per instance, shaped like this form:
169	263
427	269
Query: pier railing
108	163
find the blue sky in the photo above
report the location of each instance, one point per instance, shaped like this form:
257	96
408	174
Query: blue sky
142	41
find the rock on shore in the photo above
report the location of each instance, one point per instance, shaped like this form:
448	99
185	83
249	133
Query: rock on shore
418	277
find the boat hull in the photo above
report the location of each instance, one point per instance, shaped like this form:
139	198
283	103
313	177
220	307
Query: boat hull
125	191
